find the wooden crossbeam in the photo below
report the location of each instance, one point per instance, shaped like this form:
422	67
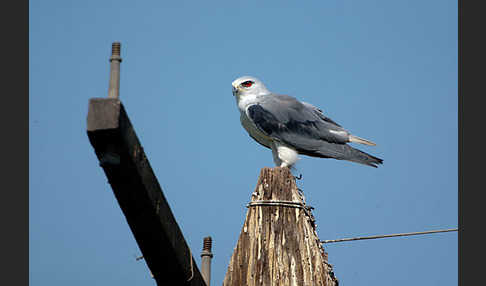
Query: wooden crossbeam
139	194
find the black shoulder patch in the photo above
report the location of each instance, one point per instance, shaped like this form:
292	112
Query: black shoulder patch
268	123
263	119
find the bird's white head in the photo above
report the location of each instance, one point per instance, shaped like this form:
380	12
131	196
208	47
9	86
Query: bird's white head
247	85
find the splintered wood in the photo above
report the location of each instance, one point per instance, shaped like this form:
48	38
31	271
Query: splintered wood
278	245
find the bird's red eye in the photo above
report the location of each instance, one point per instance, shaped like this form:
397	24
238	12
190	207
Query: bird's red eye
247	83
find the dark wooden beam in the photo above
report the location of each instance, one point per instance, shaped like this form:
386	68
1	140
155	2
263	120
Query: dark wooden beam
139	194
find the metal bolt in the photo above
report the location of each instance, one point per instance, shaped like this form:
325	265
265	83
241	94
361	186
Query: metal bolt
206	256
115	49
115	60
207	243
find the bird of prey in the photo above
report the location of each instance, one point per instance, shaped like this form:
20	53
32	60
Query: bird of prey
290	127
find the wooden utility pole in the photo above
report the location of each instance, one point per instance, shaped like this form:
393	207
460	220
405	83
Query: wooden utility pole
137	189
278	244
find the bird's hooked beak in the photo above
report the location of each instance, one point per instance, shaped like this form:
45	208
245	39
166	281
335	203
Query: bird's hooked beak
235	89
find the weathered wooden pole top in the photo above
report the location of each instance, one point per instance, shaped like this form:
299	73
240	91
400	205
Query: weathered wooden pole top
278	244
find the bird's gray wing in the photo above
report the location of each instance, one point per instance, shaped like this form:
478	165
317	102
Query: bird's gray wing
319	113
300	125
305	128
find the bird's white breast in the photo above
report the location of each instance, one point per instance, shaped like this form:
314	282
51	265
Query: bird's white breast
246	100
253	130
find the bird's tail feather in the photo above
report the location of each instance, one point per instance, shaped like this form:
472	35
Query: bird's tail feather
361	157
356	139
346	152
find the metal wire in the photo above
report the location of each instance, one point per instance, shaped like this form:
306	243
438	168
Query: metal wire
387	235
290	204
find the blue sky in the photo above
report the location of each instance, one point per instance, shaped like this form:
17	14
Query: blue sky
384	70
